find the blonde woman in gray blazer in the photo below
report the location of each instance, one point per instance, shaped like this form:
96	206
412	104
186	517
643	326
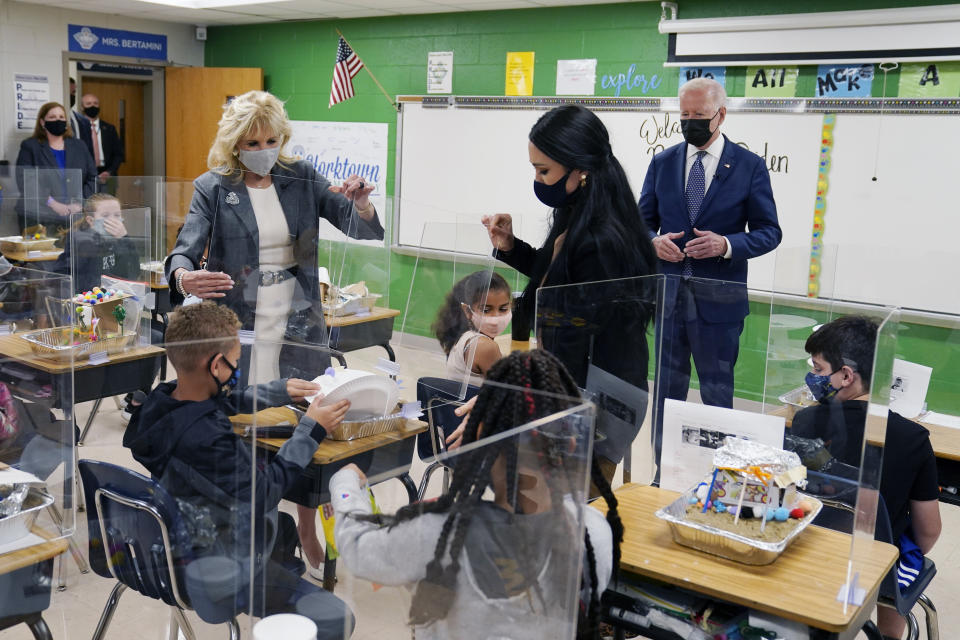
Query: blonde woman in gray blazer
255	217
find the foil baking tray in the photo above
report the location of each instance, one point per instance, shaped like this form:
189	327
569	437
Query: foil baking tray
19	525
724	543
56	343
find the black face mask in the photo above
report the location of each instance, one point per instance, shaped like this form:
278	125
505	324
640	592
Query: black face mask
91	112
696	131
554	195
225	388
55	127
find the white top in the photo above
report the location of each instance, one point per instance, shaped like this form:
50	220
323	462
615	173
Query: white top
396	556
457	368
276	247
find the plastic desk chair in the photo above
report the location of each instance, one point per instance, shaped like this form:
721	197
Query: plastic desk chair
837	514
438	397
140	524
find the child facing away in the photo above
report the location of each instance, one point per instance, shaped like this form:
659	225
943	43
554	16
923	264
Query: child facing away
182	435
477	310
99	245
479	568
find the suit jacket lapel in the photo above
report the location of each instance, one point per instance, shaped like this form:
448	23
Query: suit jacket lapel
288	197
48	154
724	168
679	169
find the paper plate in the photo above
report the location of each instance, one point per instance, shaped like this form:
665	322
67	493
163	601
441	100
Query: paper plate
370	395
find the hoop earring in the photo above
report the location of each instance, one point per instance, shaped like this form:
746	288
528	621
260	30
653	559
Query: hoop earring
583	180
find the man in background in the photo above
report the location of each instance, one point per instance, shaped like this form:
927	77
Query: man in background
709	206
103	141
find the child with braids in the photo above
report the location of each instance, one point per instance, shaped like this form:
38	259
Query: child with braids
476	311
497	567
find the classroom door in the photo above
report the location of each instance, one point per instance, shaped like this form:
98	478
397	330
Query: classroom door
194	103
121	104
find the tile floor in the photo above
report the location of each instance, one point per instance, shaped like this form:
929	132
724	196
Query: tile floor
73	613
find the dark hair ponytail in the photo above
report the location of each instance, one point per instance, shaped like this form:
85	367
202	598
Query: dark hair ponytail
604	207
499	409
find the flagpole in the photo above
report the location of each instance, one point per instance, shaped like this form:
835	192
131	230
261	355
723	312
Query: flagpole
380	86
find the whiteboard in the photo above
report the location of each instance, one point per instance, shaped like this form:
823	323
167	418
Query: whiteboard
459	163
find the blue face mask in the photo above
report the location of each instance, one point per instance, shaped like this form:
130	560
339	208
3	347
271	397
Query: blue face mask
224	388
820	386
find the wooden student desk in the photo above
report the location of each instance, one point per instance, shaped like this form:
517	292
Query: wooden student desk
946	447
801	585
375	454
945	440
126	371
350	333
21	573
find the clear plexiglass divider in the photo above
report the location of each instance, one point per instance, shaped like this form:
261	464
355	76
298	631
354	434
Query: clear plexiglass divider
802	300
605	335
38	481
709	372
50	200
502	545
447	312
106	251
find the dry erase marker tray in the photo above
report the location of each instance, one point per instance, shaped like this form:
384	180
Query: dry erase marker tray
17	526
56	343
724	543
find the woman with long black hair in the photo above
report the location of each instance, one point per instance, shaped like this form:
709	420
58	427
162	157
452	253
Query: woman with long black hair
596	234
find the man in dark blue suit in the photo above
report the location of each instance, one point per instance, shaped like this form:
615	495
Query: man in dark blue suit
710	208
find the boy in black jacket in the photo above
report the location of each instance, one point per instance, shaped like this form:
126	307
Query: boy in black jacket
182	434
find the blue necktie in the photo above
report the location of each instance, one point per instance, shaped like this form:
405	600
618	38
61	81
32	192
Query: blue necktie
696	186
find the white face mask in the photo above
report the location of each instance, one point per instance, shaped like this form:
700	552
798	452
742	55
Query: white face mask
261	161
490	325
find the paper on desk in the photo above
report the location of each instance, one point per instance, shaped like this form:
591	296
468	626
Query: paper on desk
693	432
908	389
941	419
28	540
16	476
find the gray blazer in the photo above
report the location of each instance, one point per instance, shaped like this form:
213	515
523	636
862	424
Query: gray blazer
221	213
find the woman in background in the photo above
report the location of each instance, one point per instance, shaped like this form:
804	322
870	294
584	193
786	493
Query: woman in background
65	173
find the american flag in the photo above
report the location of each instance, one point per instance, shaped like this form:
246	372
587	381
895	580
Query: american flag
347	66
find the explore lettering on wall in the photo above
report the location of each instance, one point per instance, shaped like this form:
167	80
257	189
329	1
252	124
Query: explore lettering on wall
630	81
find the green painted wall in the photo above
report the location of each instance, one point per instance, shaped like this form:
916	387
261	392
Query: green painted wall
297	59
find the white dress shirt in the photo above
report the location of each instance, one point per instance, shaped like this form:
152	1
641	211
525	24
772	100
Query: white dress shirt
710	162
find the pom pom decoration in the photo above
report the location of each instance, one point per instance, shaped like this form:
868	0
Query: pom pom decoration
797	513
781	514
